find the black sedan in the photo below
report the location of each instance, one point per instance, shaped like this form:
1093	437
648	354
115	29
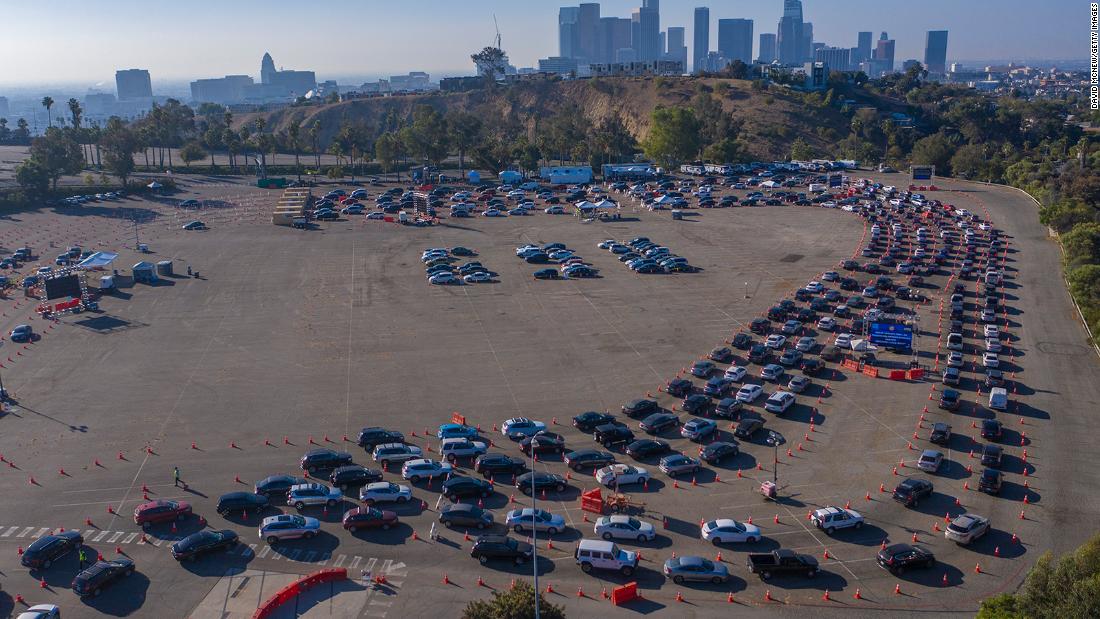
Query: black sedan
196	544
491	464
49	548
543	442
588	458
899	557
659	422
277	485
241	502
717	451
748	426
742	341
697	404
640	408
586	422
457	488
646	448
371	437
679	387
540	481
611	434
354	475
465	516
488	547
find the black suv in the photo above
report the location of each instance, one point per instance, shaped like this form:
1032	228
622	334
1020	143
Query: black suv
941	433
92	580
991	455
241	502
354	475
588	458
489	464
640	408
543	442
370	438
899	557
741	340
586	422
758	354
456	488
501	547
324	459
49	548
611	434
277	485
760	326
748	426
911	491
679	387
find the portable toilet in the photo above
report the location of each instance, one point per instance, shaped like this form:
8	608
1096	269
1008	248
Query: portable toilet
475	177
145	272
106	283
164	267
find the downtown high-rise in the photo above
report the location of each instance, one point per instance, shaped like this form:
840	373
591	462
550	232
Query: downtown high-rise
790	43
935	52
735	39
701	44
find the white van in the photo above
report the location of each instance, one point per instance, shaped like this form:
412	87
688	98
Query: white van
599	554
954	341
993	277
817	188
779	402
998	398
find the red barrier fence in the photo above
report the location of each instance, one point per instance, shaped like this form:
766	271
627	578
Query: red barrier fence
289	592
916	374
870	371
897	374
625	593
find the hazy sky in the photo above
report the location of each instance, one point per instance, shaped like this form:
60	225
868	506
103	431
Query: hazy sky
86	40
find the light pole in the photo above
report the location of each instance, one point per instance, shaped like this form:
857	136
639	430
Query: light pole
534	532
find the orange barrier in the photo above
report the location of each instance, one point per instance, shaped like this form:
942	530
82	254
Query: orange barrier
592	501
624	594
897	374
459	419
916	374
289	592
870	371
850	364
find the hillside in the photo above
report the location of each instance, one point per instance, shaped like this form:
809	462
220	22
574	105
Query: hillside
770	120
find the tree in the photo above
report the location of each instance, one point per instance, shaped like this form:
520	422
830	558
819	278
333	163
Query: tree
192	151
490	62
726	150
77	114
464	132
5	132
428	134
47	102
120	142
1064	588
968	161
673	136
737	70
514	603
1082	244
212	140
386	149
58	154
294	132
22	133
801	150
313	130
934	150
32	177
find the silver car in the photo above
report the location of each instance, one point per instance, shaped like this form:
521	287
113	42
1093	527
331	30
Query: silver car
527	519
302	495
966	528
930	460
288	526
695	569
395	452
624	527
678	464
384	492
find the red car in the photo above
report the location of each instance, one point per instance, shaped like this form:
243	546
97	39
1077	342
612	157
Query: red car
369	518
161	511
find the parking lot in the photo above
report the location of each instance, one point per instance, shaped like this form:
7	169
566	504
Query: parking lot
293	340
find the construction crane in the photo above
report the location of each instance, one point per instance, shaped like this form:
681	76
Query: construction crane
497	27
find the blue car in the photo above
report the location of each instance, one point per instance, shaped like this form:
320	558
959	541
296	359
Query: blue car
718	386
21	333
456	430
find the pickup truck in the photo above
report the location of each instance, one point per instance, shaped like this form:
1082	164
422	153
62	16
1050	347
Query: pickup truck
782	562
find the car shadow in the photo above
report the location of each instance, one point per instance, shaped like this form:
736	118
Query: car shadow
123	597
298	549
215	563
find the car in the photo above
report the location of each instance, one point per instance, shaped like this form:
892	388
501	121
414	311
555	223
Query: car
645	448
992	455
536	481
702	369
805	344
640	408
759	326
697	404
678	464
588	421
990	481
791	327
477	277
92	580
588	458
308	494
465	515
287	526
811	367
621	475
348	476
195	225
988	316
771	372
729	531
930	460
624	527
243	502
749	393
831	518
679	387
658	422
529	519
991	429
815	287
990	360
790	357
41	611
388	453
897	558
697	429
991	331
715	452
735	373
489	547
911	490
844	341
452	449
455	430
423	468
951	376
443	278
798	384
376	215
493	463
324	460
779	402
384	492
462	251
717	386
949	399
21	333
202	542
459	487
966	528
519	427
277	485
371	437
775	341
691	568
153	512
44	551
721	355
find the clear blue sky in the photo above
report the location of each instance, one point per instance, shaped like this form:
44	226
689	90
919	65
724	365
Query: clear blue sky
85	41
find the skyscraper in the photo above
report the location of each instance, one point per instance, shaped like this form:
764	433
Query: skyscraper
863	46
701	44
789	42
883	58
588	30
735	39
662	45
767	47
935	52
133	84
567	31
645	33
838	58
614	36
656	6
267	69
807	40
676	48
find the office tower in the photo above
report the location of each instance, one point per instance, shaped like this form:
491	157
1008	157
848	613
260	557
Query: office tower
567	31
676	49
588	30
645	34
701	44
133	84
656	6
614	35
838	58
863	47
935	52
789	41
267	69
808	40
662	45
767	48
883	58
735	39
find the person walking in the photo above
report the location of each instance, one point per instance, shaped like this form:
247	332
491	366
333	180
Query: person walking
83	557
176	475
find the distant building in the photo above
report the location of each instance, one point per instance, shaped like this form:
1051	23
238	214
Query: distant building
935	52
133	84
714	62
559	65
461	84
415	81
637	69
614	35
817	75
4	108
98	104
807	41
568	35
645	29
625	55
838	58
677	51
701	44
735	39
224	90
863	48
789	39
767	48
883	58
267	69
909	64
588	31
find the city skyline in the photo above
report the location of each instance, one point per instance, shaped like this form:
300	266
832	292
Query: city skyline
196	47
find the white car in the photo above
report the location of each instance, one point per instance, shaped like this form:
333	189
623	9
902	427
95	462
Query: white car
623	527
775	341
607	243
749	393
478	277
621	474
528	519
930	460
779	402
556	209
990	360
844	340
966	528
443	278
827	323
992	331
384	492
41	611
522	249
815	287
830	276
829	519
727	530
519	427
697	428
422	468
993	345
954	359
805	344
736	372
376	215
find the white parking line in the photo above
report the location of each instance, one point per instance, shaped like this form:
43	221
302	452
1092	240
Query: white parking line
100	536
263	553
42	531
339	561
129	538
355	563
25	532
114	538
10	531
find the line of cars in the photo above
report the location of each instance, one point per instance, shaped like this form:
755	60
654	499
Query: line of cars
440	270
570	264
642	255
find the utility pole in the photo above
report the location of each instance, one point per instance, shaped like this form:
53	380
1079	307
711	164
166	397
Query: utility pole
534	533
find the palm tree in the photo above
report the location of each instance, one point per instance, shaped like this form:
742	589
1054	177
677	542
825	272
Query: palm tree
47	102
293	133
78	133
313	129
261	142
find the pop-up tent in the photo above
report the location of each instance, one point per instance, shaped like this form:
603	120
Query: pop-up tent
98	260
145	272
